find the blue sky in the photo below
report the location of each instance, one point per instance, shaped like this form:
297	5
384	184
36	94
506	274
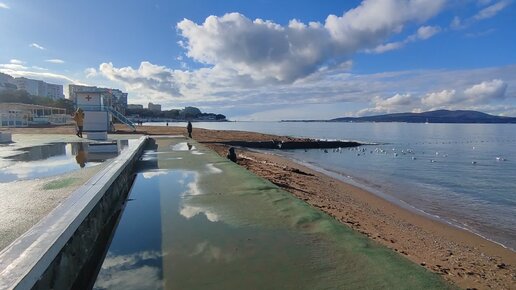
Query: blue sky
272	60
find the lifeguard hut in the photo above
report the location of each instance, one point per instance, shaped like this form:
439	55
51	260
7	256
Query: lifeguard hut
98	117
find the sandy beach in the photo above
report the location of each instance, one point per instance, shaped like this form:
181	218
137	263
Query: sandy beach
465	259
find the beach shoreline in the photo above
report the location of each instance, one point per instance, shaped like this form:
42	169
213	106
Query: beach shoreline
460	256
365	185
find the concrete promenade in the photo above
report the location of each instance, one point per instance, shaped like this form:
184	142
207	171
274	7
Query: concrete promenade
36	214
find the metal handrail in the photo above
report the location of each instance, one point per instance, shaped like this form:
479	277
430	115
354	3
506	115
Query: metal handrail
122	118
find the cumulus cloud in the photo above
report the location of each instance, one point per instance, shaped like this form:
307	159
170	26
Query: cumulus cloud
486	91
263	49
4	6
329	90
55	61
477	96
396	103
149	77
35	45
435	99
265	65
90	72
484	96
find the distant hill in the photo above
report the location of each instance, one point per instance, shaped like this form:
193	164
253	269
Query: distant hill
439	116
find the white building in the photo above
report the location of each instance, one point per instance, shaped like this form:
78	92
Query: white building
154	107
28	85
39	88
54	91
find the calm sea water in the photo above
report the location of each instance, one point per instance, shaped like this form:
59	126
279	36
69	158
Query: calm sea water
463	174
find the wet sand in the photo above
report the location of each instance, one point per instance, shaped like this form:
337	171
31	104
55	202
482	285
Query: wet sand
467	260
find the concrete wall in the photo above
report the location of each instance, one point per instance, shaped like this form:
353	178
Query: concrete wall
75	264
56	251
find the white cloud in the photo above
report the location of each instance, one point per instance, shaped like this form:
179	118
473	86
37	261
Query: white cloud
17	70
4	6
16	61
12	66
396	103
159	80
330	91
387	47
435	99
190	211
90	72
133	271
479	95
486	91
485	13
423	33
152	174
476	97
39	68
492	10
35	45
264	50
55	61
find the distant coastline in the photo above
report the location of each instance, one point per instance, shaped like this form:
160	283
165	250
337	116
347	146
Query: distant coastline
439	116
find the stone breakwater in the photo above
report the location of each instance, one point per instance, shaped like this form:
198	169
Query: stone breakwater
295	144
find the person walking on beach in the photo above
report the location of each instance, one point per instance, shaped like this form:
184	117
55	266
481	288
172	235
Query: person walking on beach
189	129
78	117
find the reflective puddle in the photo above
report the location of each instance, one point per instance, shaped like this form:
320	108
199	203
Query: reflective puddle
55	159
197	221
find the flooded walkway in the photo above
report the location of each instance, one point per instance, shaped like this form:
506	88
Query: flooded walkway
39	171
197	221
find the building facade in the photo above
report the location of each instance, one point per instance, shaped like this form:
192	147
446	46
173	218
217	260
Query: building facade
154	107
39	88
134	106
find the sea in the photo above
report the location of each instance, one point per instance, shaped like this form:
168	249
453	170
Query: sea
460	174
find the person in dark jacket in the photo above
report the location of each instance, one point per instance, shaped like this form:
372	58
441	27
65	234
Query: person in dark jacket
232	155
189	129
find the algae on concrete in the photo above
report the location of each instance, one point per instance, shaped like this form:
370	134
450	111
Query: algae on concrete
197	221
